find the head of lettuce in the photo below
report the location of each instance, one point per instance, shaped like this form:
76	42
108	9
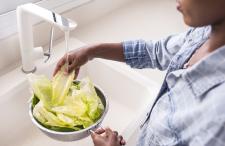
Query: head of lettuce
63	105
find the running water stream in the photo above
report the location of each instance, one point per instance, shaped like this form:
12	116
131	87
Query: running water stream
67	33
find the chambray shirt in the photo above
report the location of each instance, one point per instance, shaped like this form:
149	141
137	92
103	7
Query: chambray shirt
190	107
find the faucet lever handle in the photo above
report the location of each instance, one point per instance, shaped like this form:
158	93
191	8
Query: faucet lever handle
48	54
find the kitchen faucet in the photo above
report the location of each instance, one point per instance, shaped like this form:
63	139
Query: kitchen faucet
24	21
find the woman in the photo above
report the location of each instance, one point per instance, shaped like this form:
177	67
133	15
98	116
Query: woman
190	107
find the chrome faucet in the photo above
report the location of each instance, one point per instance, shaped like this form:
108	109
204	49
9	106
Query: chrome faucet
28	52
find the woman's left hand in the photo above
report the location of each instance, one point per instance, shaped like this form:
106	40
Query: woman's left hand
107	137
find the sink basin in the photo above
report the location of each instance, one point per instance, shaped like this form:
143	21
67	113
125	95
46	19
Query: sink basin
128	92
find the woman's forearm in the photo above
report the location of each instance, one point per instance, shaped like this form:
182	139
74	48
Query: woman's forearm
111	51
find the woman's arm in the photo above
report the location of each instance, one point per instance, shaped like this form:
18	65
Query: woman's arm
136	53
78	57
111	51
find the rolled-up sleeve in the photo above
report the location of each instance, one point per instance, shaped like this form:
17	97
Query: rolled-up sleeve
153	54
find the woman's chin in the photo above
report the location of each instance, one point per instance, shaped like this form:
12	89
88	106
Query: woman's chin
192	23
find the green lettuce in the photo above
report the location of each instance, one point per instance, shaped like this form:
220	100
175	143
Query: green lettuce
42	88
64	105
60	86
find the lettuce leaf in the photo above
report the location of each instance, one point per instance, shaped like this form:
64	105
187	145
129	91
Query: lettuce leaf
95	106
61	84
42	88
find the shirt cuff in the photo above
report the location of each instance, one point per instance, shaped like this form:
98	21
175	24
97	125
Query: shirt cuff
133	54
128	52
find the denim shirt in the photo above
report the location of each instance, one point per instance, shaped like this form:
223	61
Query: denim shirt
190	107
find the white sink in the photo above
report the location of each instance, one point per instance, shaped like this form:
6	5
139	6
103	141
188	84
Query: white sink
129	94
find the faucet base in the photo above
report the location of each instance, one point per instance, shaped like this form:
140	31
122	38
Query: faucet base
27	72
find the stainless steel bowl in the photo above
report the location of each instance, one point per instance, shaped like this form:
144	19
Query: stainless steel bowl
75	135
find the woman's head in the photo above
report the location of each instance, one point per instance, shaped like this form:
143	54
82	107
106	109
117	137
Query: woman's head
202	12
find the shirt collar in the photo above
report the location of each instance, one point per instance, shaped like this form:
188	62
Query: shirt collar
207	73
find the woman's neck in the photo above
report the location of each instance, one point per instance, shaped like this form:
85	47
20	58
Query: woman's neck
217	36
215	41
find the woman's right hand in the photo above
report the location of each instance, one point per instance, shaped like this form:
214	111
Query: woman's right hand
78	57
75	58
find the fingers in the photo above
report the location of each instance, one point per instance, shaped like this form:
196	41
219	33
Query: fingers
76	73
121	140
108	135
94	137
97	139
108	132
70	66
100	131
73	63
73	60
116	133
59	64
93	134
